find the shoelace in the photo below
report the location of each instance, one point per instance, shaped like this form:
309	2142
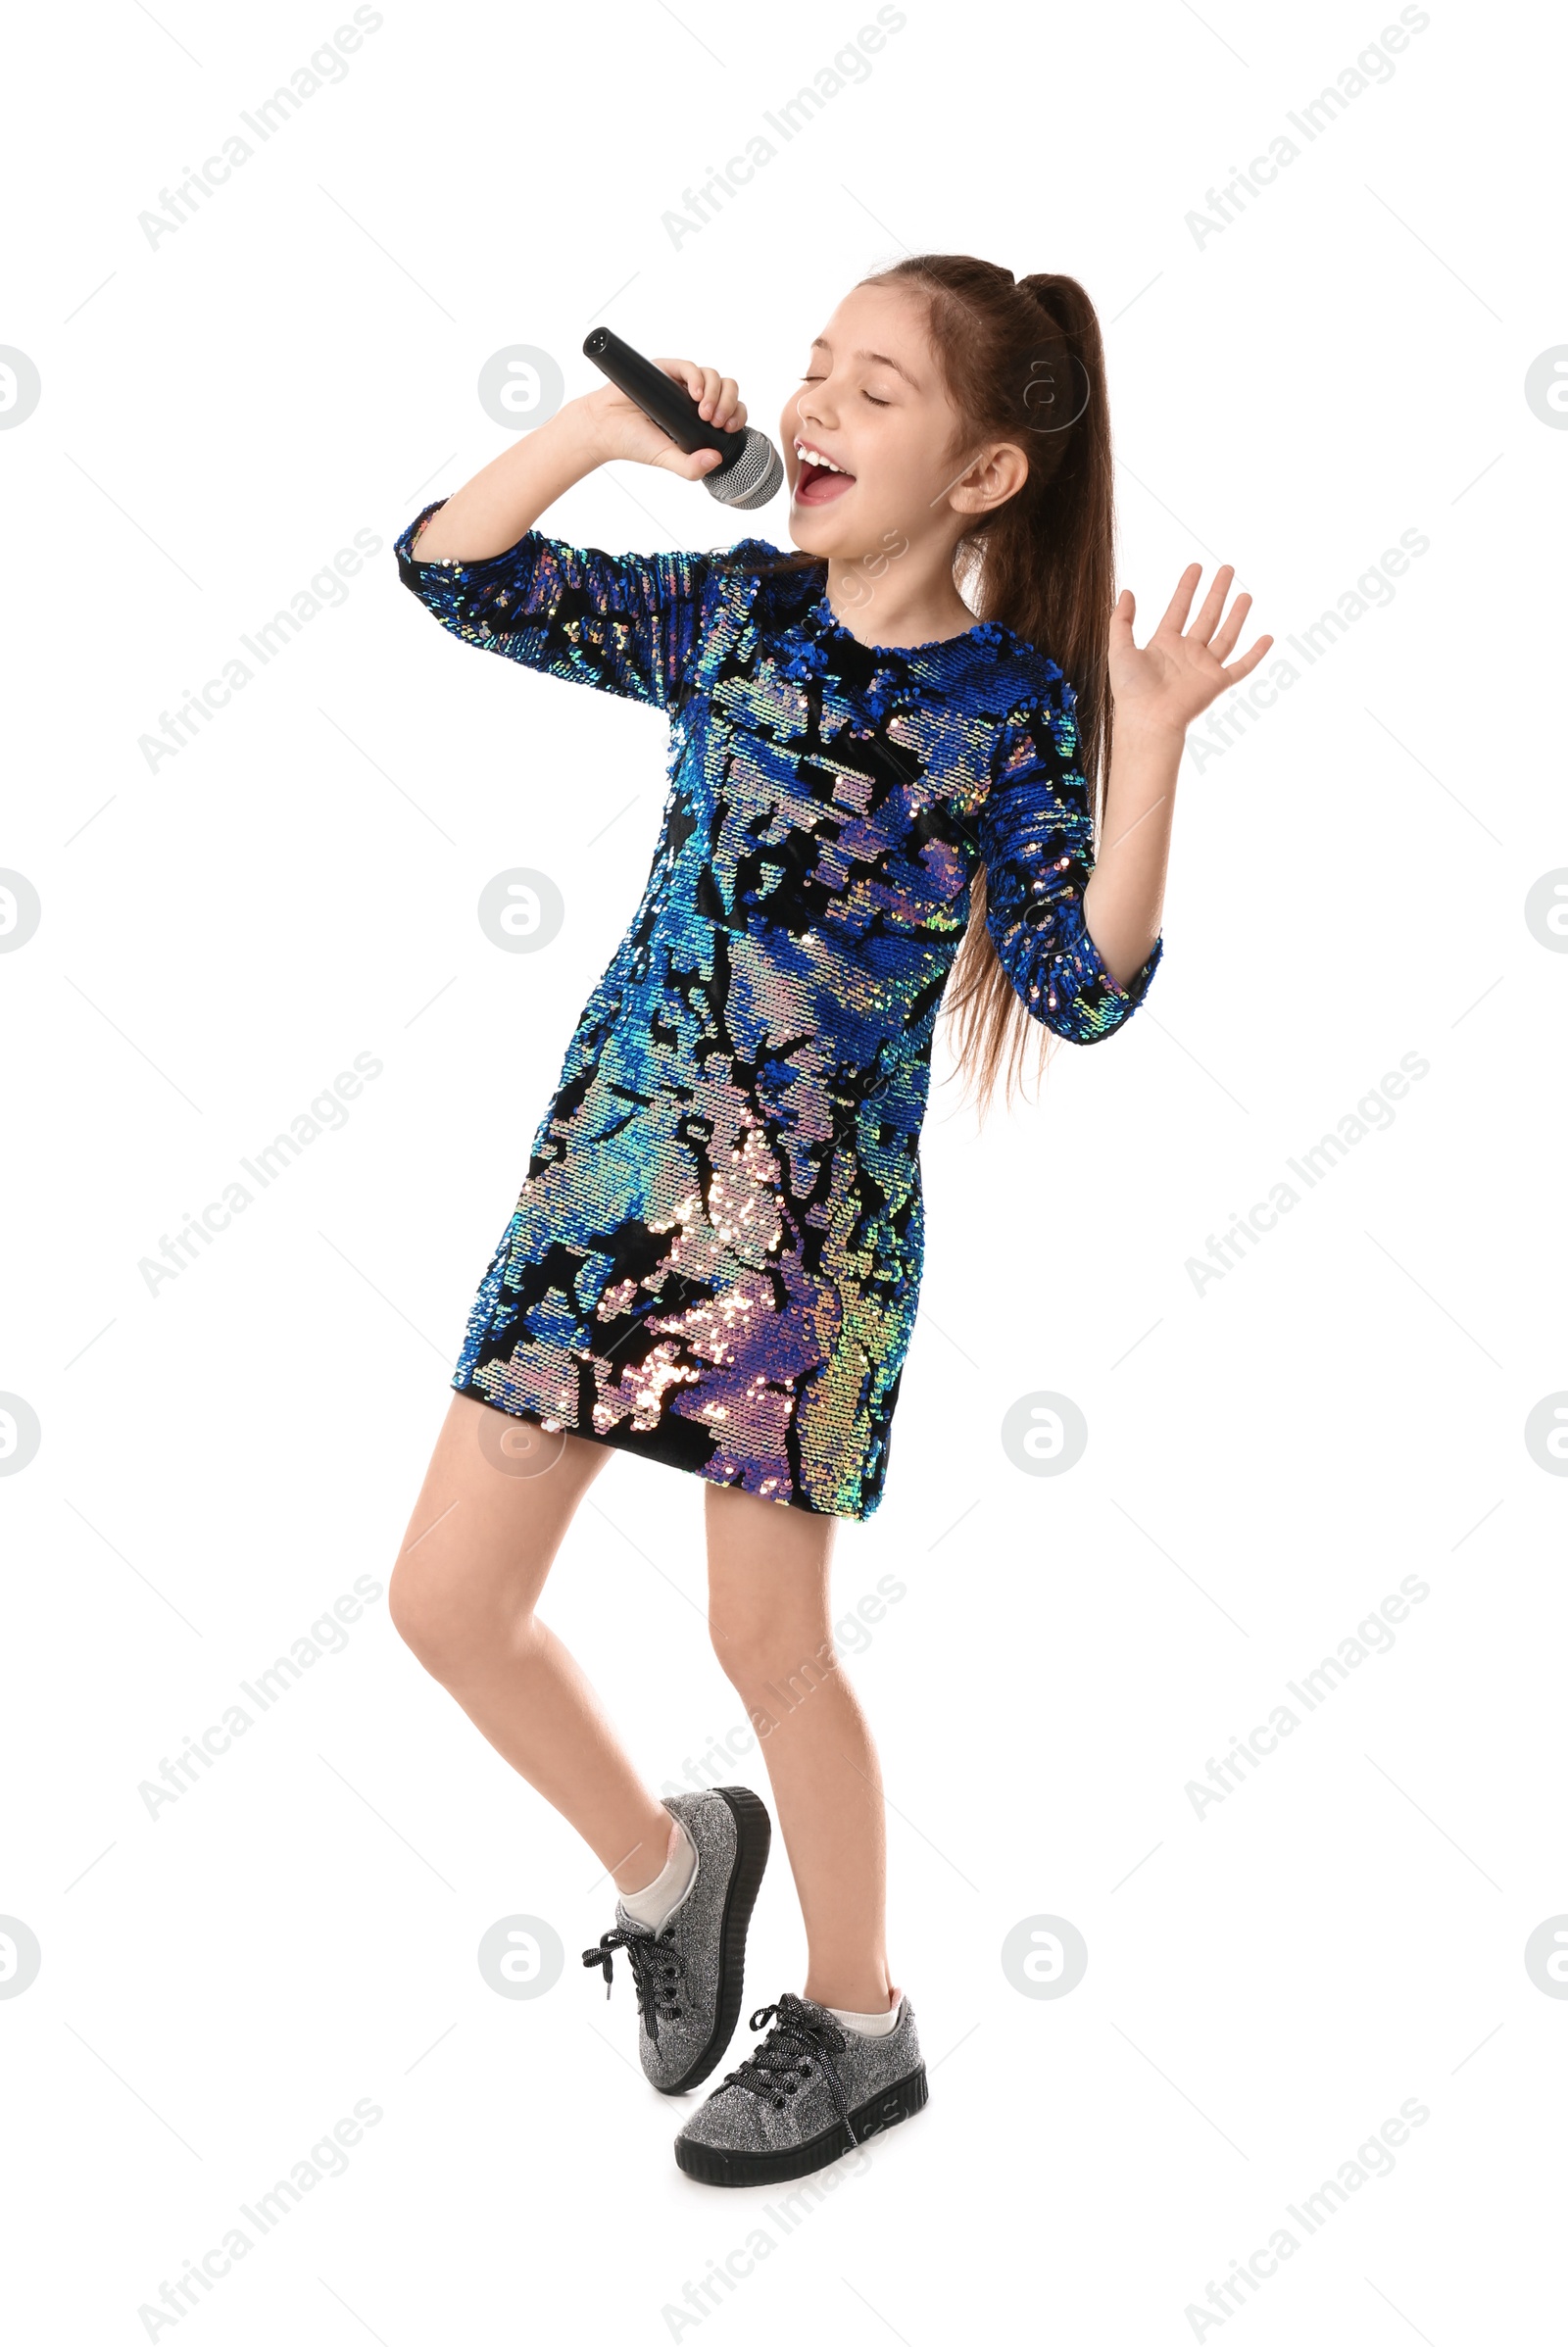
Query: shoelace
777	2070
656	1966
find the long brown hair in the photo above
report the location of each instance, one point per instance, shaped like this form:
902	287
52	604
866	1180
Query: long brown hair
1024	361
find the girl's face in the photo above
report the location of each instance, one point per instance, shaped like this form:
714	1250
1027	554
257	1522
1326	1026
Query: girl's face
872	401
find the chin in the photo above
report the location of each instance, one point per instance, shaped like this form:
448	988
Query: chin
820	530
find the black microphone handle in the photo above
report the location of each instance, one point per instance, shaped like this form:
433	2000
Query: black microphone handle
661	398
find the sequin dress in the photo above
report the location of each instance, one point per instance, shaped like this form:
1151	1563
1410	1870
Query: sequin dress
717	1253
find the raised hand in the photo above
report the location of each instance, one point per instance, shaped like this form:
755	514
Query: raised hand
621	429
1176	674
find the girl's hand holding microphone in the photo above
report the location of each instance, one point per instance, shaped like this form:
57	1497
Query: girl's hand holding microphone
493	511
622	430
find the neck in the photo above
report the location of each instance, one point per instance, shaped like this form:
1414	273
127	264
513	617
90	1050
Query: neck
898	601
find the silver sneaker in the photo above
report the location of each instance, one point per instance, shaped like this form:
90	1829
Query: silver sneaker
812	2091
690	1974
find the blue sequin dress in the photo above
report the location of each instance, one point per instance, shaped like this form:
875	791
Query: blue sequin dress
715	1257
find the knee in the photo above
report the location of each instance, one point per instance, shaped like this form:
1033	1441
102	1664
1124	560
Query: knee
420	1618
737	1644
757	1655
448	1622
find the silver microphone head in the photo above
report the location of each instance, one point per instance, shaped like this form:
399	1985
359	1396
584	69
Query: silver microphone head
749	479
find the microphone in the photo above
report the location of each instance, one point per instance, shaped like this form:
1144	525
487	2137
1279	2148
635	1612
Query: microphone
753	467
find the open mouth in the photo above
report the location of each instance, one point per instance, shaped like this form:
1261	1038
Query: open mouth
818	484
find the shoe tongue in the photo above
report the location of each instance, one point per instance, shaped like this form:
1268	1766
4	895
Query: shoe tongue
806	2005
629	1924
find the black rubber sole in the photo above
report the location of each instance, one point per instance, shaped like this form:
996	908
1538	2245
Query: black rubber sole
753	1834
713	2167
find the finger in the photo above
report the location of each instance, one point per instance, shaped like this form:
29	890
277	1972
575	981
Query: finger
707	397
726	405
1123	610
690	467
1247	662
1213	604
1180	604
1224	644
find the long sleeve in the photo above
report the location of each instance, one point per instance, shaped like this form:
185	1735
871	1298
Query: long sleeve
626	624
1036	834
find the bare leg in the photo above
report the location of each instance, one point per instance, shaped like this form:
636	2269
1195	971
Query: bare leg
768	1612
482	1538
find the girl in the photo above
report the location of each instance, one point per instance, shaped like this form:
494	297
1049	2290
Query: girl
715	1255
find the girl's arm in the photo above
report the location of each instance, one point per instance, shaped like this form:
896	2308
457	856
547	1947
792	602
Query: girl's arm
1126	892
1156	694
629	624
491	513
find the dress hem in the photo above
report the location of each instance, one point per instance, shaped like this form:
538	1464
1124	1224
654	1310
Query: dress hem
647	1446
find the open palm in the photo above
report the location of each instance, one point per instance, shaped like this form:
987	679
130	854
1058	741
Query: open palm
1175	675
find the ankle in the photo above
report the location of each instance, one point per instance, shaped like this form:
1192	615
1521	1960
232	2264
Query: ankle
643	1865
851	1988
654	1904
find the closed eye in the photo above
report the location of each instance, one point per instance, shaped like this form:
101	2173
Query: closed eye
875	401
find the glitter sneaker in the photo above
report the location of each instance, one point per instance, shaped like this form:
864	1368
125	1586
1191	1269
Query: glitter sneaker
690	1973
810	2092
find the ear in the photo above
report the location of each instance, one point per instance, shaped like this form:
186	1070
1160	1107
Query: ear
997	473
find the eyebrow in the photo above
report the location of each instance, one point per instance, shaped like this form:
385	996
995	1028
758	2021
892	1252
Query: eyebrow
877	358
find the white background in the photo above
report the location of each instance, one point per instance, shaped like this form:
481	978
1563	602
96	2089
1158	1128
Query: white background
1268	1982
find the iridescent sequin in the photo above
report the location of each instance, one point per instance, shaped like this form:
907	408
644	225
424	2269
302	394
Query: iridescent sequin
715	1257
